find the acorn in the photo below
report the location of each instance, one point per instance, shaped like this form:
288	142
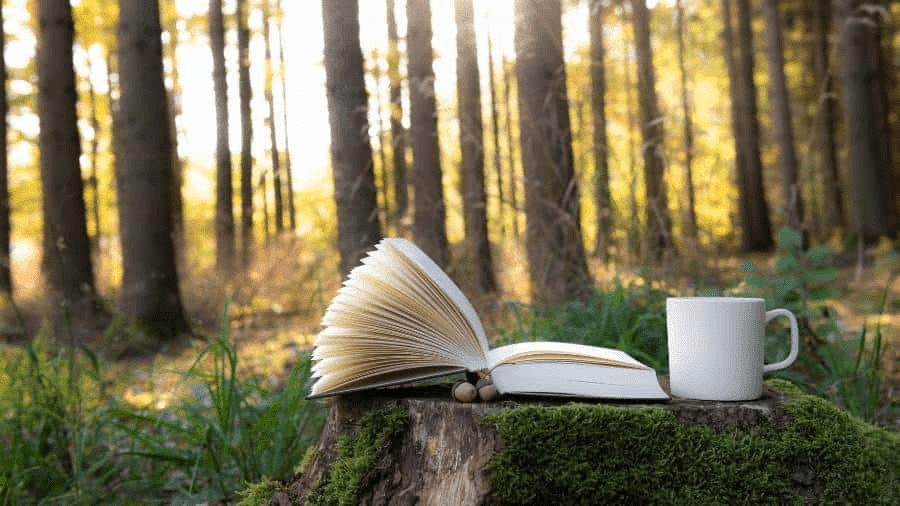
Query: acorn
487	392
464	391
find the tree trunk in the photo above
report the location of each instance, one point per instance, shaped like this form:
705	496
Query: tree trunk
831	180
277	186
93	180
224	218
398	132
781	119
429	225
511	147
288	169
633	234
173	99
351	153
67	252
245	93
443	452
471	140
862	83
149	295
659	225
556	258
756	226
5	232
495	137
602	197
690	212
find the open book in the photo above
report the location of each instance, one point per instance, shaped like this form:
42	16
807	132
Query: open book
399	318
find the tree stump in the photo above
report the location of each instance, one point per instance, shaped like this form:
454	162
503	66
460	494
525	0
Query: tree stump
446	453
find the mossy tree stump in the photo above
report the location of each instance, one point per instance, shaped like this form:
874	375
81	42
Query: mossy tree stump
418	446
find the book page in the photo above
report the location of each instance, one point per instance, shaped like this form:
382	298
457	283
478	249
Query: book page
396	318
549	351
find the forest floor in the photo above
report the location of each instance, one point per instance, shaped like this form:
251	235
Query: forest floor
270	339
274	313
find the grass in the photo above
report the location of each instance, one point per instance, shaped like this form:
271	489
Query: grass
72	440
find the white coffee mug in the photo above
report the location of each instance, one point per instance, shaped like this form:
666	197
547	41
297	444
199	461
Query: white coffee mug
716	346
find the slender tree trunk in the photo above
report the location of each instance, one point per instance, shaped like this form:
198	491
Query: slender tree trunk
398	132
351	153
495	137
634	234
173	98
429	226
67	253
471	139
831	181
277	186
757	228
262	188
511	147
690	212
384	172
556	257
245	93
659	228
781	119
5	230
862	83
602	197
150	295
224	219
288	169
93	180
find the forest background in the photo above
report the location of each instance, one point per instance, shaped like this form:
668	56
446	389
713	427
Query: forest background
175	205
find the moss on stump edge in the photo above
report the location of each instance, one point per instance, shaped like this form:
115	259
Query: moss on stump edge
803	450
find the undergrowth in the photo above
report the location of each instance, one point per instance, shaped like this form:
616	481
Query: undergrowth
70	439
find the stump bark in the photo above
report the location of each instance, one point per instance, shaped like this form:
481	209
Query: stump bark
443	454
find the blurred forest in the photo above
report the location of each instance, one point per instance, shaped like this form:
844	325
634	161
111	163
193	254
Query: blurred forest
562	142
177	171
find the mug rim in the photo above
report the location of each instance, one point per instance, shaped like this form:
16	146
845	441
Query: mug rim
714	299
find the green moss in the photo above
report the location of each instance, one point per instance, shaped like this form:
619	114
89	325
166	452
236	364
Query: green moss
255	494
355	455
597	454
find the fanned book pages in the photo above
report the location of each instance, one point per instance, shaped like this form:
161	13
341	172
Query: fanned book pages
399	318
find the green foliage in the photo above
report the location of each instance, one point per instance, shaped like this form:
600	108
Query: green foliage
844	370
69	440
800	280
630	319
356	453
579	454
57	439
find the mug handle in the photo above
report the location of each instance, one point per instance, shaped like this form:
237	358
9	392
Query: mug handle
795	340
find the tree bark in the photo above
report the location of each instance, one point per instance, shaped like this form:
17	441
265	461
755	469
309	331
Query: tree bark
224	218
67	253
150	294
781	119
659	225
690	211
443	453
831	181
471	140
429	225
756	226
602	197
556	257
245	92
5	231
288	169
511	147
495	137
398	132
351	153
277	186
861	69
